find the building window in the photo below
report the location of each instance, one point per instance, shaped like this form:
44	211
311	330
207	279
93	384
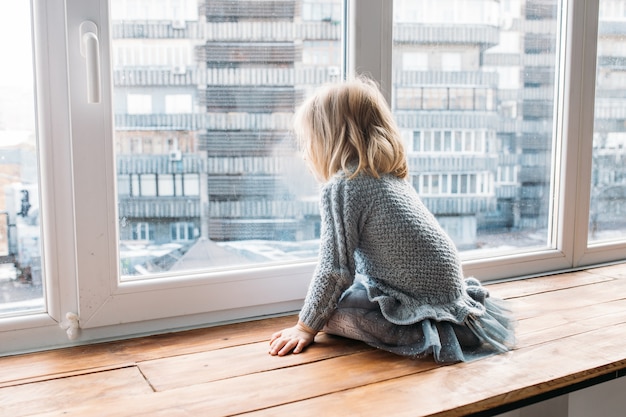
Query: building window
435	98
142	231
450	61
409	98
415	61
181	231
178	104
139	104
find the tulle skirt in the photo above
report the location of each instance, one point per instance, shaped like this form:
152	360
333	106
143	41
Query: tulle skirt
359	318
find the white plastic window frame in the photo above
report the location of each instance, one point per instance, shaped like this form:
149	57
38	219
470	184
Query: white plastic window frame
80	235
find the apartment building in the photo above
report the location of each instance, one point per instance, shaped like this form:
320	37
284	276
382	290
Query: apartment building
204	99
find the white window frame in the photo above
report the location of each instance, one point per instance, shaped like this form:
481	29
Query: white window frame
80	215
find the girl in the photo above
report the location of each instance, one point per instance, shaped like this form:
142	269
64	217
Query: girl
388	274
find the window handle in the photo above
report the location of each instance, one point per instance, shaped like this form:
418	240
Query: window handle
90	50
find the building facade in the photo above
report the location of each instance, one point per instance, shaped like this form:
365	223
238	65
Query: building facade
205	92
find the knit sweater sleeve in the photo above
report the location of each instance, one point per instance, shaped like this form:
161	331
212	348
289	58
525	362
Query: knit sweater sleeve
335	270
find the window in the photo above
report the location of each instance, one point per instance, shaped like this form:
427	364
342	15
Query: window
415	61
139	104
409	97
141	231
450	61
466	106
183	231
175	197
178	103
22	287
607	211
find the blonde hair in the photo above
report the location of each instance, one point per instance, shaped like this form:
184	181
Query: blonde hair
350	122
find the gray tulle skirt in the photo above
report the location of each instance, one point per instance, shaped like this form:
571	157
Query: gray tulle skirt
359	318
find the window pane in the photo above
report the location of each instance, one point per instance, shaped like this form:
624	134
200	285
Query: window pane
204	93
21	286
489	83
607	214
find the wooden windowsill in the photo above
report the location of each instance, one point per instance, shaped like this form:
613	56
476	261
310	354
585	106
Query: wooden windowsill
570	333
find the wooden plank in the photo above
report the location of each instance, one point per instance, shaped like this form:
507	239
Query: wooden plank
569	322
530	286
60	394
478	386
185	370
250	392
373	383
320	378
614	271
268	389
581	319
181	371
559	300
37	366
41	365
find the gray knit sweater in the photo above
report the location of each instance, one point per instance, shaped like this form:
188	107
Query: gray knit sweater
380	230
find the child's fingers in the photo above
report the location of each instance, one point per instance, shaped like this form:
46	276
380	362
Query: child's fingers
288	347
299	347
279	345
275	336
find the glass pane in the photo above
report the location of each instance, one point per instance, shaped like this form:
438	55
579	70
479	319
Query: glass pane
607	214
21	287
476	80
204	93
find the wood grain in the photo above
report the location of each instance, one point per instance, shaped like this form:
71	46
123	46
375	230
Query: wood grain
570	328
69	361
64	393
186	370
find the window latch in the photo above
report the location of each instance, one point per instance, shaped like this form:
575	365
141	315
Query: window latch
90	50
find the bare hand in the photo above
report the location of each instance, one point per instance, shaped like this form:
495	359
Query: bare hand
294	339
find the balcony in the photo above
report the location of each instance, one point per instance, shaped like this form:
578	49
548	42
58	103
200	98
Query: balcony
538	142
534	175
160	164
541	10
502	60
612	108
540	60
263	209
227	187
247	121
162	77
220	54
312	75
251	165
259	99
441	162
537	109
249	31
264	229
534	128
166	29
539	43
445	78
447	119
507	191
539	77
318	31
459	205
245	143
228	10
159	207
158	121
617	28
411	33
